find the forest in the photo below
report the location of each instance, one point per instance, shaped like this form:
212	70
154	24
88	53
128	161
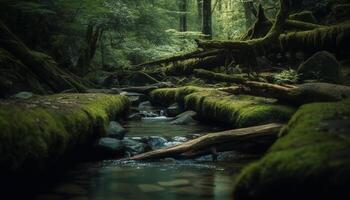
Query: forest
174	99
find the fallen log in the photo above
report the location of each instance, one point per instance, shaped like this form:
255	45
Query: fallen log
187	67
211	76
193	55
295	95
203	145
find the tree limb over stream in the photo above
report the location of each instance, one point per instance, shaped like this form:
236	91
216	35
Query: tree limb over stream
244	139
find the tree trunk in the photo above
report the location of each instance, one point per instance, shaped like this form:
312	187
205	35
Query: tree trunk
238	139
183	15
200	12
207	19
93	34
248	13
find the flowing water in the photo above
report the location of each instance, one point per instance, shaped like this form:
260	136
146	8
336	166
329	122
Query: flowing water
166	180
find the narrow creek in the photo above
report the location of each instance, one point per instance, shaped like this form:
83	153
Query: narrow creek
166	179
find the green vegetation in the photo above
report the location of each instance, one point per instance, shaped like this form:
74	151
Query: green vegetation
288	76
311	154
46	128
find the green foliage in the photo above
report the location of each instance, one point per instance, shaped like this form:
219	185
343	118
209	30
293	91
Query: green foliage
289	76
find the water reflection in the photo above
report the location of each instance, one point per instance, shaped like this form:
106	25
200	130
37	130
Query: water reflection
112	180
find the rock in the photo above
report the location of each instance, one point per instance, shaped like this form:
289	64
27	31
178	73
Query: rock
184	120
135	98
150	188
322	66
146	105
135	116
171	144
148	114
110	145
23	95
173	110
312	152
180	139
115	130
156	142
133	147
174	183
190	113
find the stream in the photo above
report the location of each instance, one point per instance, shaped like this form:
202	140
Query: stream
166	179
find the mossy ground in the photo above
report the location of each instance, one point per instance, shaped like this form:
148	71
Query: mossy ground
310	160
47	127
216	106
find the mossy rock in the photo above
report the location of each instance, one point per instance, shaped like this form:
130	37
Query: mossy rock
321	66
309	161
221	107
43	129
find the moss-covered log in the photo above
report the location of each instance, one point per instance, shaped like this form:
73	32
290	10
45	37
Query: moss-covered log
295	95
218	77
186	67
310	160
44	129
193	55
332	38
221	107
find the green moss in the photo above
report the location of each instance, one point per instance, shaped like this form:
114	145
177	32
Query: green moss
167	96
327	38
309	160
48	127
216	106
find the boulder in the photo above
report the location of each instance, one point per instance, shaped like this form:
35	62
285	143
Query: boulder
190	113
135	116
115	130
184	120
173	110
110	146
133	147
156	142
145	105
135	98
322	66
309	160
